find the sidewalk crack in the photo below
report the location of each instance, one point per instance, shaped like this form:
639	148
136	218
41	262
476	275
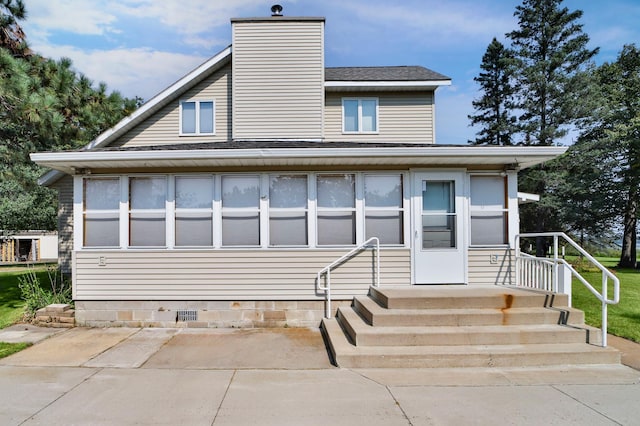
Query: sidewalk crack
226	391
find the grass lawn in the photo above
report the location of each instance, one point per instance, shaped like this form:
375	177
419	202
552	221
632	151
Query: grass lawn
7	349
624	318
11	303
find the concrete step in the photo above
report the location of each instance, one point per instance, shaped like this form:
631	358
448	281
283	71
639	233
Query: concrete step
347	355
363	334
461	296
378	316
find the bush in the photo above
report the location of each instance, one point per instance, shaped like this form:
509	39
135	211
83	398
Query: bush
38	295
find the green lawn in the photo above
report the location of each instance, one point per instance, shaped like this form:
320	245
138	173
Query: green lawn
11	303
624	318
7	349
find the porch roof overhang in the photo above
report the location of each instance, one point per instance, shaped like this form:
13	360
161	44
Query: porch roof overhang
313	154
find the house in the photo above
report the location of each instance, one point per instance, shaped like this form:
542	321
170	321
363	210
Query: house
219	200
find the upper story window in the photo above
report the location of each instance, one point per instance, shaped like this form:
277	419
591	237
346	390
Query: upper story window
360	115
197	117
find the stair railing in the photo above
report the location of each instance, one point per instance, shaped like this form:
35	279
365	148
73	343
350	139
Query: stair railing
545	273
374	244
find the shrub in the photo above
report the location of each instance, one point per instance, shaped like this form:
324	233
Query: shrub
38	295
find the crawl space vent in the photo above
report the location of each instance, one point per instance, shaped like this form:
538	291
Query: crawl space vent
187	315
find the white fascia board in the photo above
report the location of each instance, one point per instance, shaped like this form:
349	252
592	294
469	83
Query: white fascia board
389	84
502	155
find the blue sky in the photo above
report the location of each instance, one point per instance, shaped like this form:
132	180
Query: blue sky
139	47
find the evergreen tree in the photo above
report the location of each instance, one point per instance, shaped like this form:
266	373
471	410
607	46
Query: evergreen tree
552	60
12	37
495	108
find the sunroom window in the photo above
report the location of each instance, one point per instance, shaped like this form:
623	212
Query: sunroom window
147	213
384	208
288	210
197	117
360	115
336	220
240	210
194	214
488	210
101	212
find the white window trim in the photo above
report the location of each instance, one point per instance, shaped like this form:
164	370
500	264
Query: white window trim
216	210
359	131
197	132
505	209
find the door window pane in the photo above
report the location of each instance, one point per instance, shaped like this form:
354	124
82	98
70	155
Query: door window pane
438	214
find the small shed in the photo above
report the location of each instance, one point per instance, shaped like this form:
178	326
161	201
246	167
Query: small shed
29	246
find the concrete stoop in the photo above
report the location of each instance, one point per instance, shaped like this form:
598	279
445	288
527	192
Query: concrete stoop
461	326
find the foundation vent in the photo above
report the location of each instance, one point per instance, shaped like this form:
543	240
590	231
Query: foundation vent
187	315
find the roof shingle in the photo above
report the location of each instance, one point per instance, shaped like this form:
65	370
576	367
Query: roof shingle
393	73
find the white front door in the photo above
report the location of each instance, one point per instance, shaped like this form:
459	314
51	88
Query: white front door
438	255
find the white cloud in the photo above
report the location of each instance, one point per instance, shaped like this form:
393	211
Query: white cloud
132	72
84	17
189	17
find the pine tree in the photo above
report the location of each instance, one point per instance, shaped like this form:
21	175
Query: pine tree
495	108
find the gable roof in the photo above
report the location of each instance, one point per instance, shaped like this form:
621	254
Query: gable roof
393	73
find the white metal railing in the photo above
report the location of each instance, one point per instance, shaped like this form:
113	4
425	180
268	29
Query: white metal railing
326	271
545	273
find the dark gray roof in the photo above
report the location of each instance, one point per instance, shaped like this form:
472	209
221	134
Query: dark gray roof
399	73
269	144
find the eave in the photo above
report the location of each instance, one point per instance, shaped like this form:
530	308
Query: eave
427	156
356	86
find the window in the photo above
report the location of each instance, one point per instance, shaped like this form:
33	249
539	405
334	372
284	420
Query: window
240	210
360	115
147	214
383	217
288	210
197	118
438	214
101	212
336	219
194	214
488	210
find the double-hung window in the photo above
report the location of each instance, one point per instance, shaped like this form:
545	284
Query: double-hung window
147	212
101	212
194	214
197	117
240	210
488	210
383	201
288	210
336	219
360	115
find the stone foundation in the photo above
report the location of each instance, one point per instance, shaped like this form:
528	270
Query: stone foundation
57	315
210	314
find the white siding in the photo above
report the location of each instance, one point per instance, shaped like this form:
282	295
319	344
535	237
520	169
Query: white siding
164	126
65	222
403	117
229	274
278	78
484	270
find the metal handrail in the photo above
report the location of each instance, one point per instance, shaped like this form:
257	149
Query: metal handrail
606	274
327	270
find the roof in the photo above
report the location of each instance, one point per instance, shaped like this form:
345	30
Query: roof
295	154
391	73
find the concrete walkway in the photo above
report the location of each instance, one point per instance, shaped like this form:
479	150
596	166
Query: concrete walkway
121	376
